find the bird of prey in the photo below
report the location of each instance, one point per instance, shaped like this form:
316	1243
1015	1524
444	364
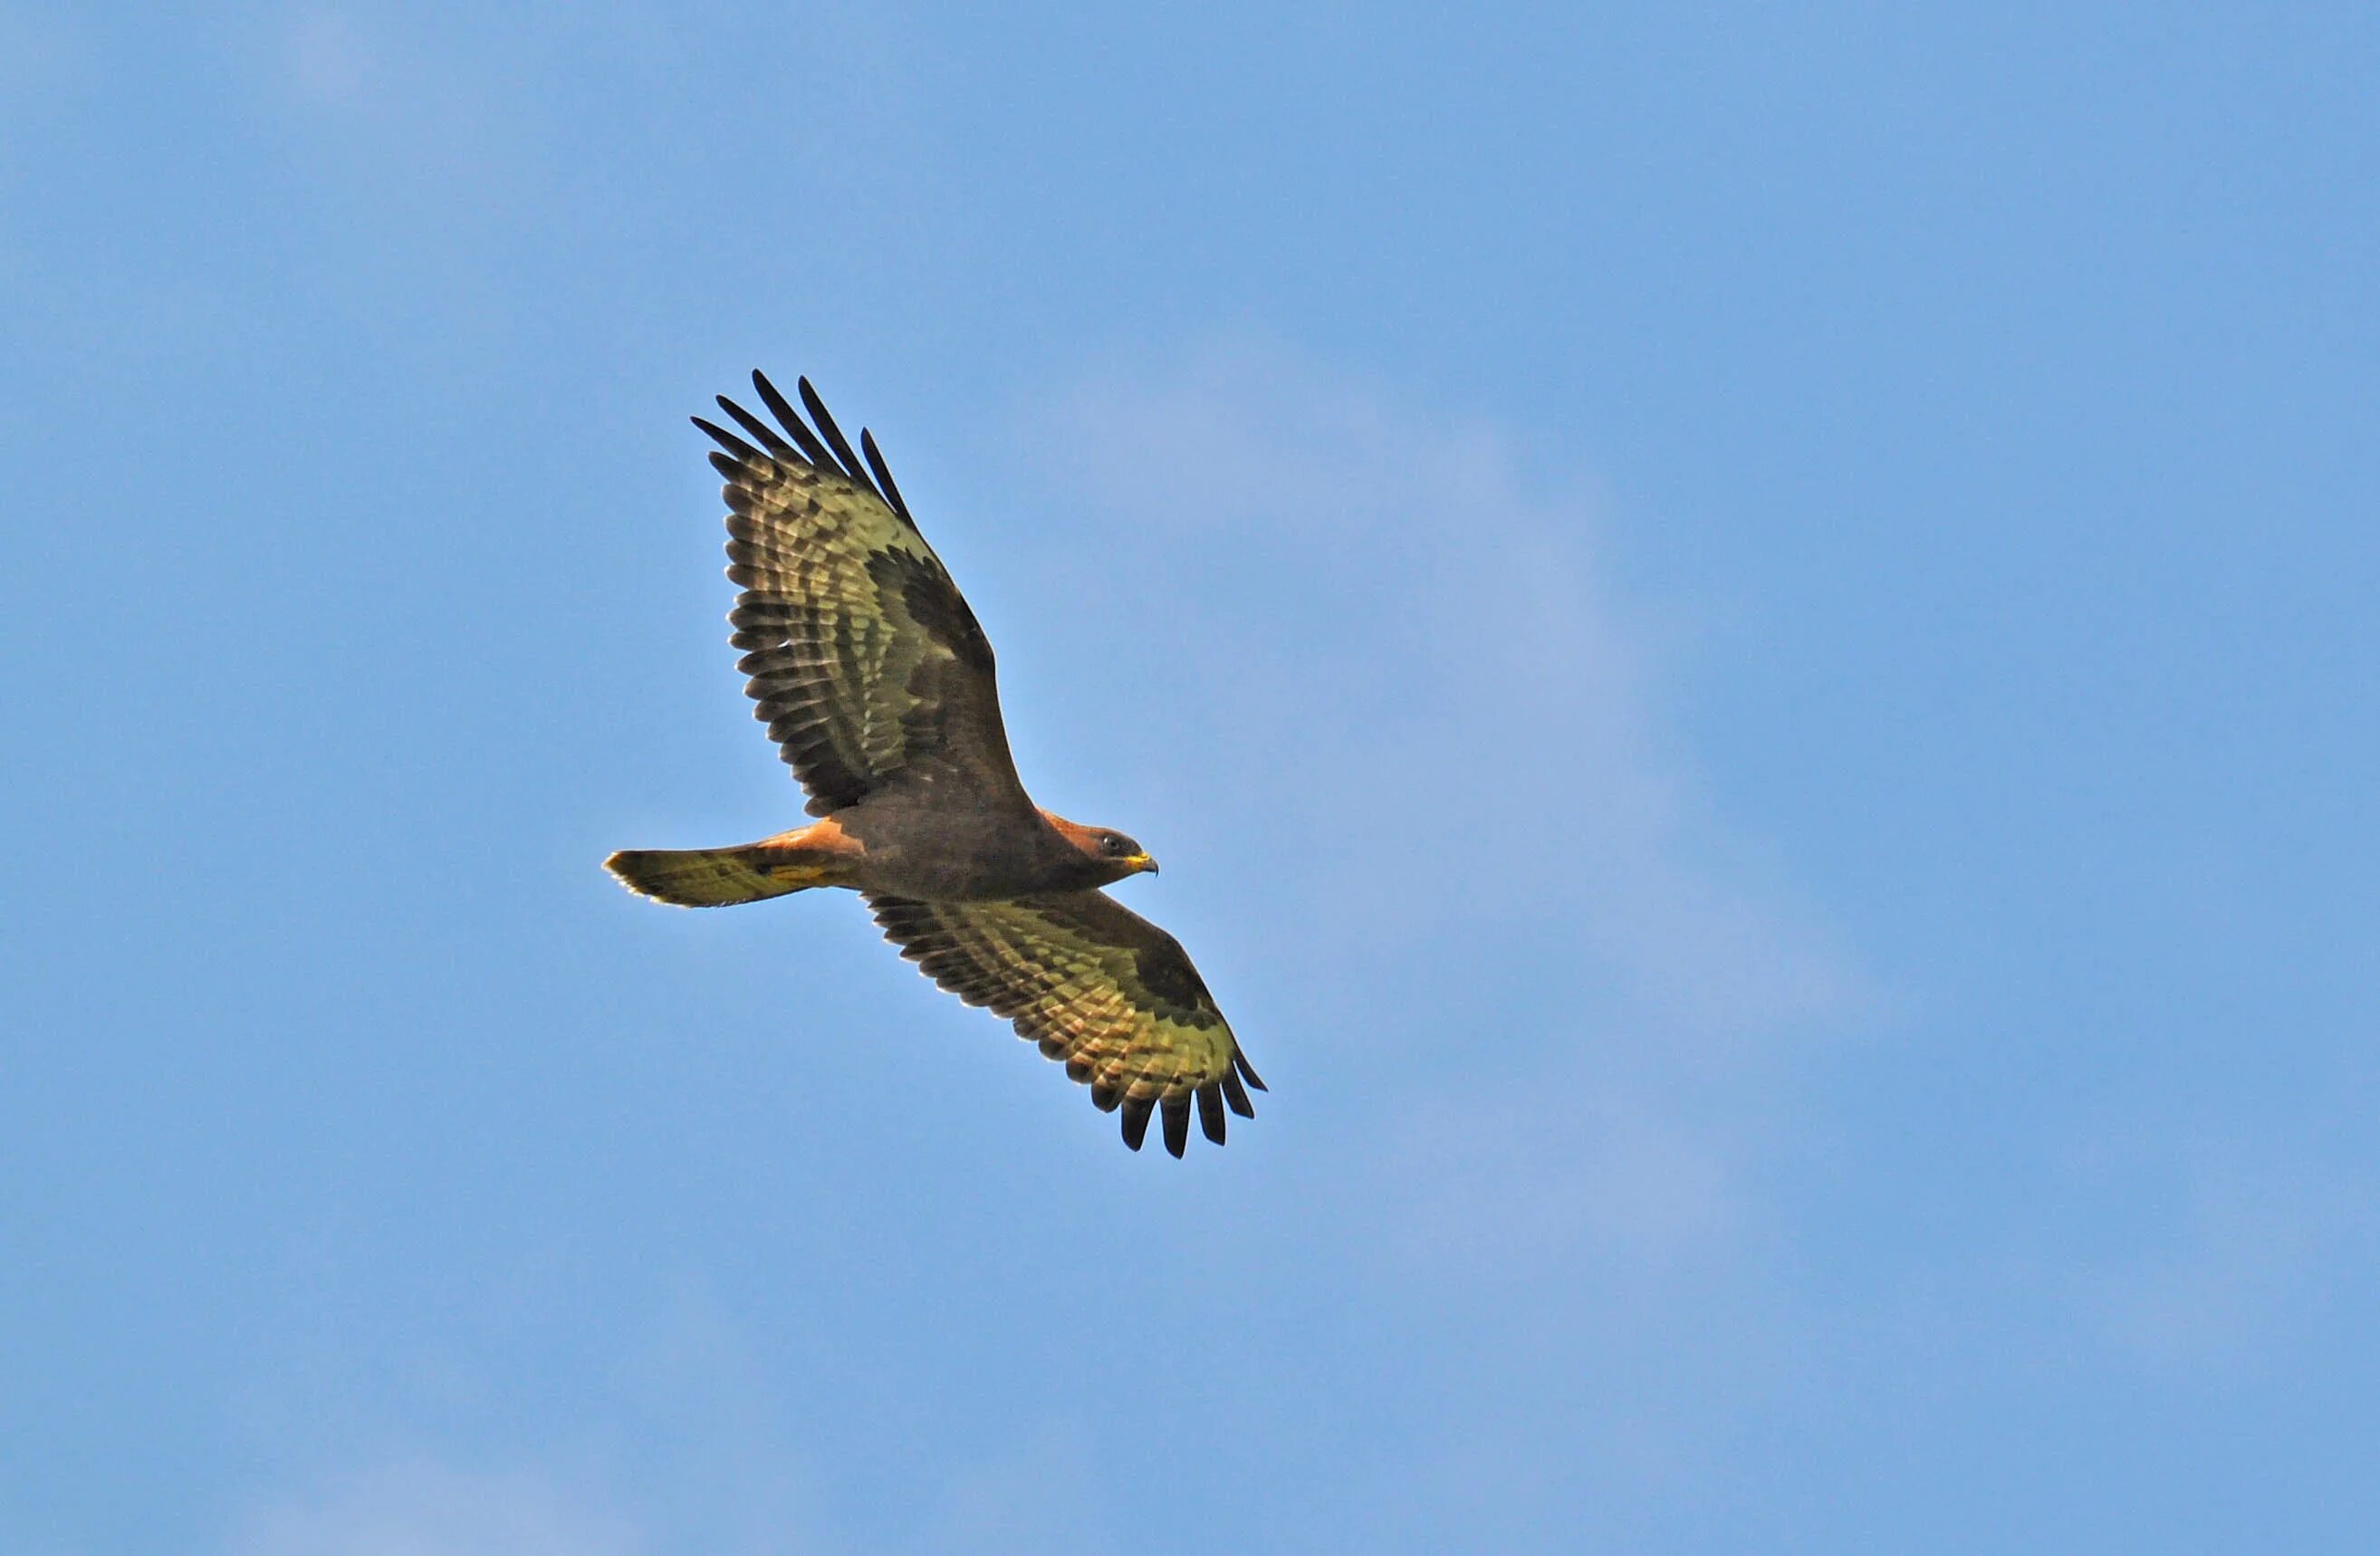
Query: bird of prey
876	682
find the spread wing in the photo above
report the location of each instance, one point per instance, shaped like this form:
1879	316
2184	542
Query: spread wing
865	662
1098	987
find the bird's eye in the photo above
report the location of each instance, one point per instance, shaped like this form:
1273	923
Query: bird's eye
1113	844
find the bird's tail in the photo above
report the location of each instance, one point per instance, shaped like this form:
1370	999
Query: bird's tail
721	876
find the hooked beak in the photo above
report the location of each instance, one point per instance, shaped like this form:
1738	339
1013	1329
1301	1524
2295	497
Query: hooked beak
1142	864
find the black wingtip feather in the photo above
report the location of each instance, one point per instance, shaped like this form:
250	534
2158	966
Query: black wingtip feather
1237	1095
1240	1062
832	433
1107	1099
890	493
729	442
1177	1125
1210	1111
832	456
1136	1120
770	439
791	419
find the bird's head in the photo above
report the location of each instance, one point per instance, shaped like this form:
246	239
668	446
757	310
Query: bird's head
1112	854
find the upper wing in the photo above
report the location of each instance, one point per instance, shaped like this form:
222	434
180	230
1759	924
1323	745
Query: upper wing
1096	985
865	663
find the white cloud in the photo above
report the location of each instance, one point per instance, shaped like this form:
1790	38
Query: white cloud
419	1507
1040	1491
434	129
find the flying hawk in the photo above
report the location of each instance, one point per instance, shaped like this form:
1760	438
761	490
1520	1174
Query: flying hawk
876	682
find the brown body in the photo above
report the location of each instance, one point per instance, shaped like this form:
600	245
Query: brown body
874	849
999	858
877	685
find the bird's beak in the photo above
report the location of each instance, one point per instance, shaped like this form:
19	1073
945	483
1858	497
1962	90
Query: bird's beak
1142	864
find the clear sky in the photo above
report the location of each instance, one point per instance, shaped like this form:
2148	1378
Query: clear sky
1748	634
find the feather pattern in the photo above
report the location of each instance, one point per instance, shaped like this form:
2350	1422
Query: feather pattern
877	685
1095	986
864	660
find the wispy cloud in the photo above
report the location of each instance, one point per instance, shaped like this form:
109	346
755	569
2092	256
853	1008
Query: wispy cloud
417	1507
330	57
1029	1497
1403	640
686	1442
2236	1249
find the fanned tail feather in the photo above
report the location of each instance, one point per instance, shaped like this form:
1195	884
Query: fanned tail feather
719	877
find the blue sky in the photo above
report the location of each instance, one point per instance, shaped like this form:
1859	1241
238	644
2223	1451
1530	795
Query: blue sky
1747	634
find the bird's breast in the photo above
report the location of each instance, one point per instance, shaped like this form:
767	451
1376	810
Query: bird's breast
956	856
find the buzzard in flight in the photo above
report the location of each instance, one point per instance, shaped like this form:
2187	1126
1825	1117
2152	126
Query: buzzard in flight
876	682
